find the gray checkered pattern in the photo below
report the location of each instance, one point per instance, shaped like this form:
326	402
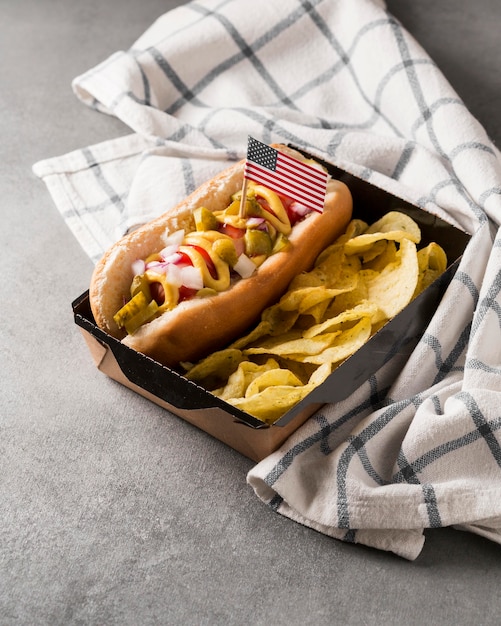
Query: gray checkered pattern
418	445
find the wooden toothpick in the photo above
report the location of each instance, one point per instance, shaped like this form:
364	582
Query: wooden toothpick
243	208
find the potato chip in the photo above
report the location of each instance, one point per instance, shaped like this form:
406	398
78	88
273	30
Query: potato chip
307	279
396	221
274	377
374	250
217	366
294	343
242	377
325	274
272	402
364	309
433	257
274	321
316	312
303	371
349	299
363	279
333	270
394	226
393	288
355	227
280	320
303	299
316	301
261	330
344	345
432	262
388	255
329	268
320	375
271	399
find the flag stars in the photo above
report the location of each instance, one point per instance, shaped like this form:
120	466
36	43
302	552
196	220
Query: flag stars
262	154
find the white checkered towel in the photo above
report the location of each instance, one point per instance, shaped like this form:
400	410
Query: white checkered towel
397	456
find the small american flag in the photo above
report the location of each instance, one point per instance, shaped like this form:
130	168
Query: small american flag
286	175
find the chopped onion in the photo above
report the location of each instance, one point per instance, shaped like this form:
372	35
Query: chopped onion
174	275
174	239
174	257
244	266
156	266
255	222
191	277
299	209
138	267
152	264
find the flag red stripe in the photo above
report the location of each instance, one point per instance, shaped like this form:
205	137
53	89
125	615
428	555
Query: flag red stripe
297	184
301	196
286	175
268	179
308	170
286	184
315	186
305	199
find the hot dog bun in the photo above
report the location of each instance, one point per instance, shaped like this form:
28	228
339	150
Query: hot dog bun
197	327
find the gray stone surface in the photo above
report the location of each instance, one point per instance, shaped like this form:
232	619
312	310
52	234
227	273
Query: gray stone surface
112	512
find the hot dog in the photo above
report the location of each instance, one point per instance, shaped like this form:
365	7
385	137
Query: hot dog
142	292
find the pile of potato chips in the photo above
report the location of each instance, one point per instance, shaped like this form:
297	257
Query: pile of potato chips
358	283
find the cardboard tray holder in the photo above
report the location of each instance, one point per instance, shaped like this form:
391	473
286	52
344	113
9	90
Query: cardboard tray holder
241	431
